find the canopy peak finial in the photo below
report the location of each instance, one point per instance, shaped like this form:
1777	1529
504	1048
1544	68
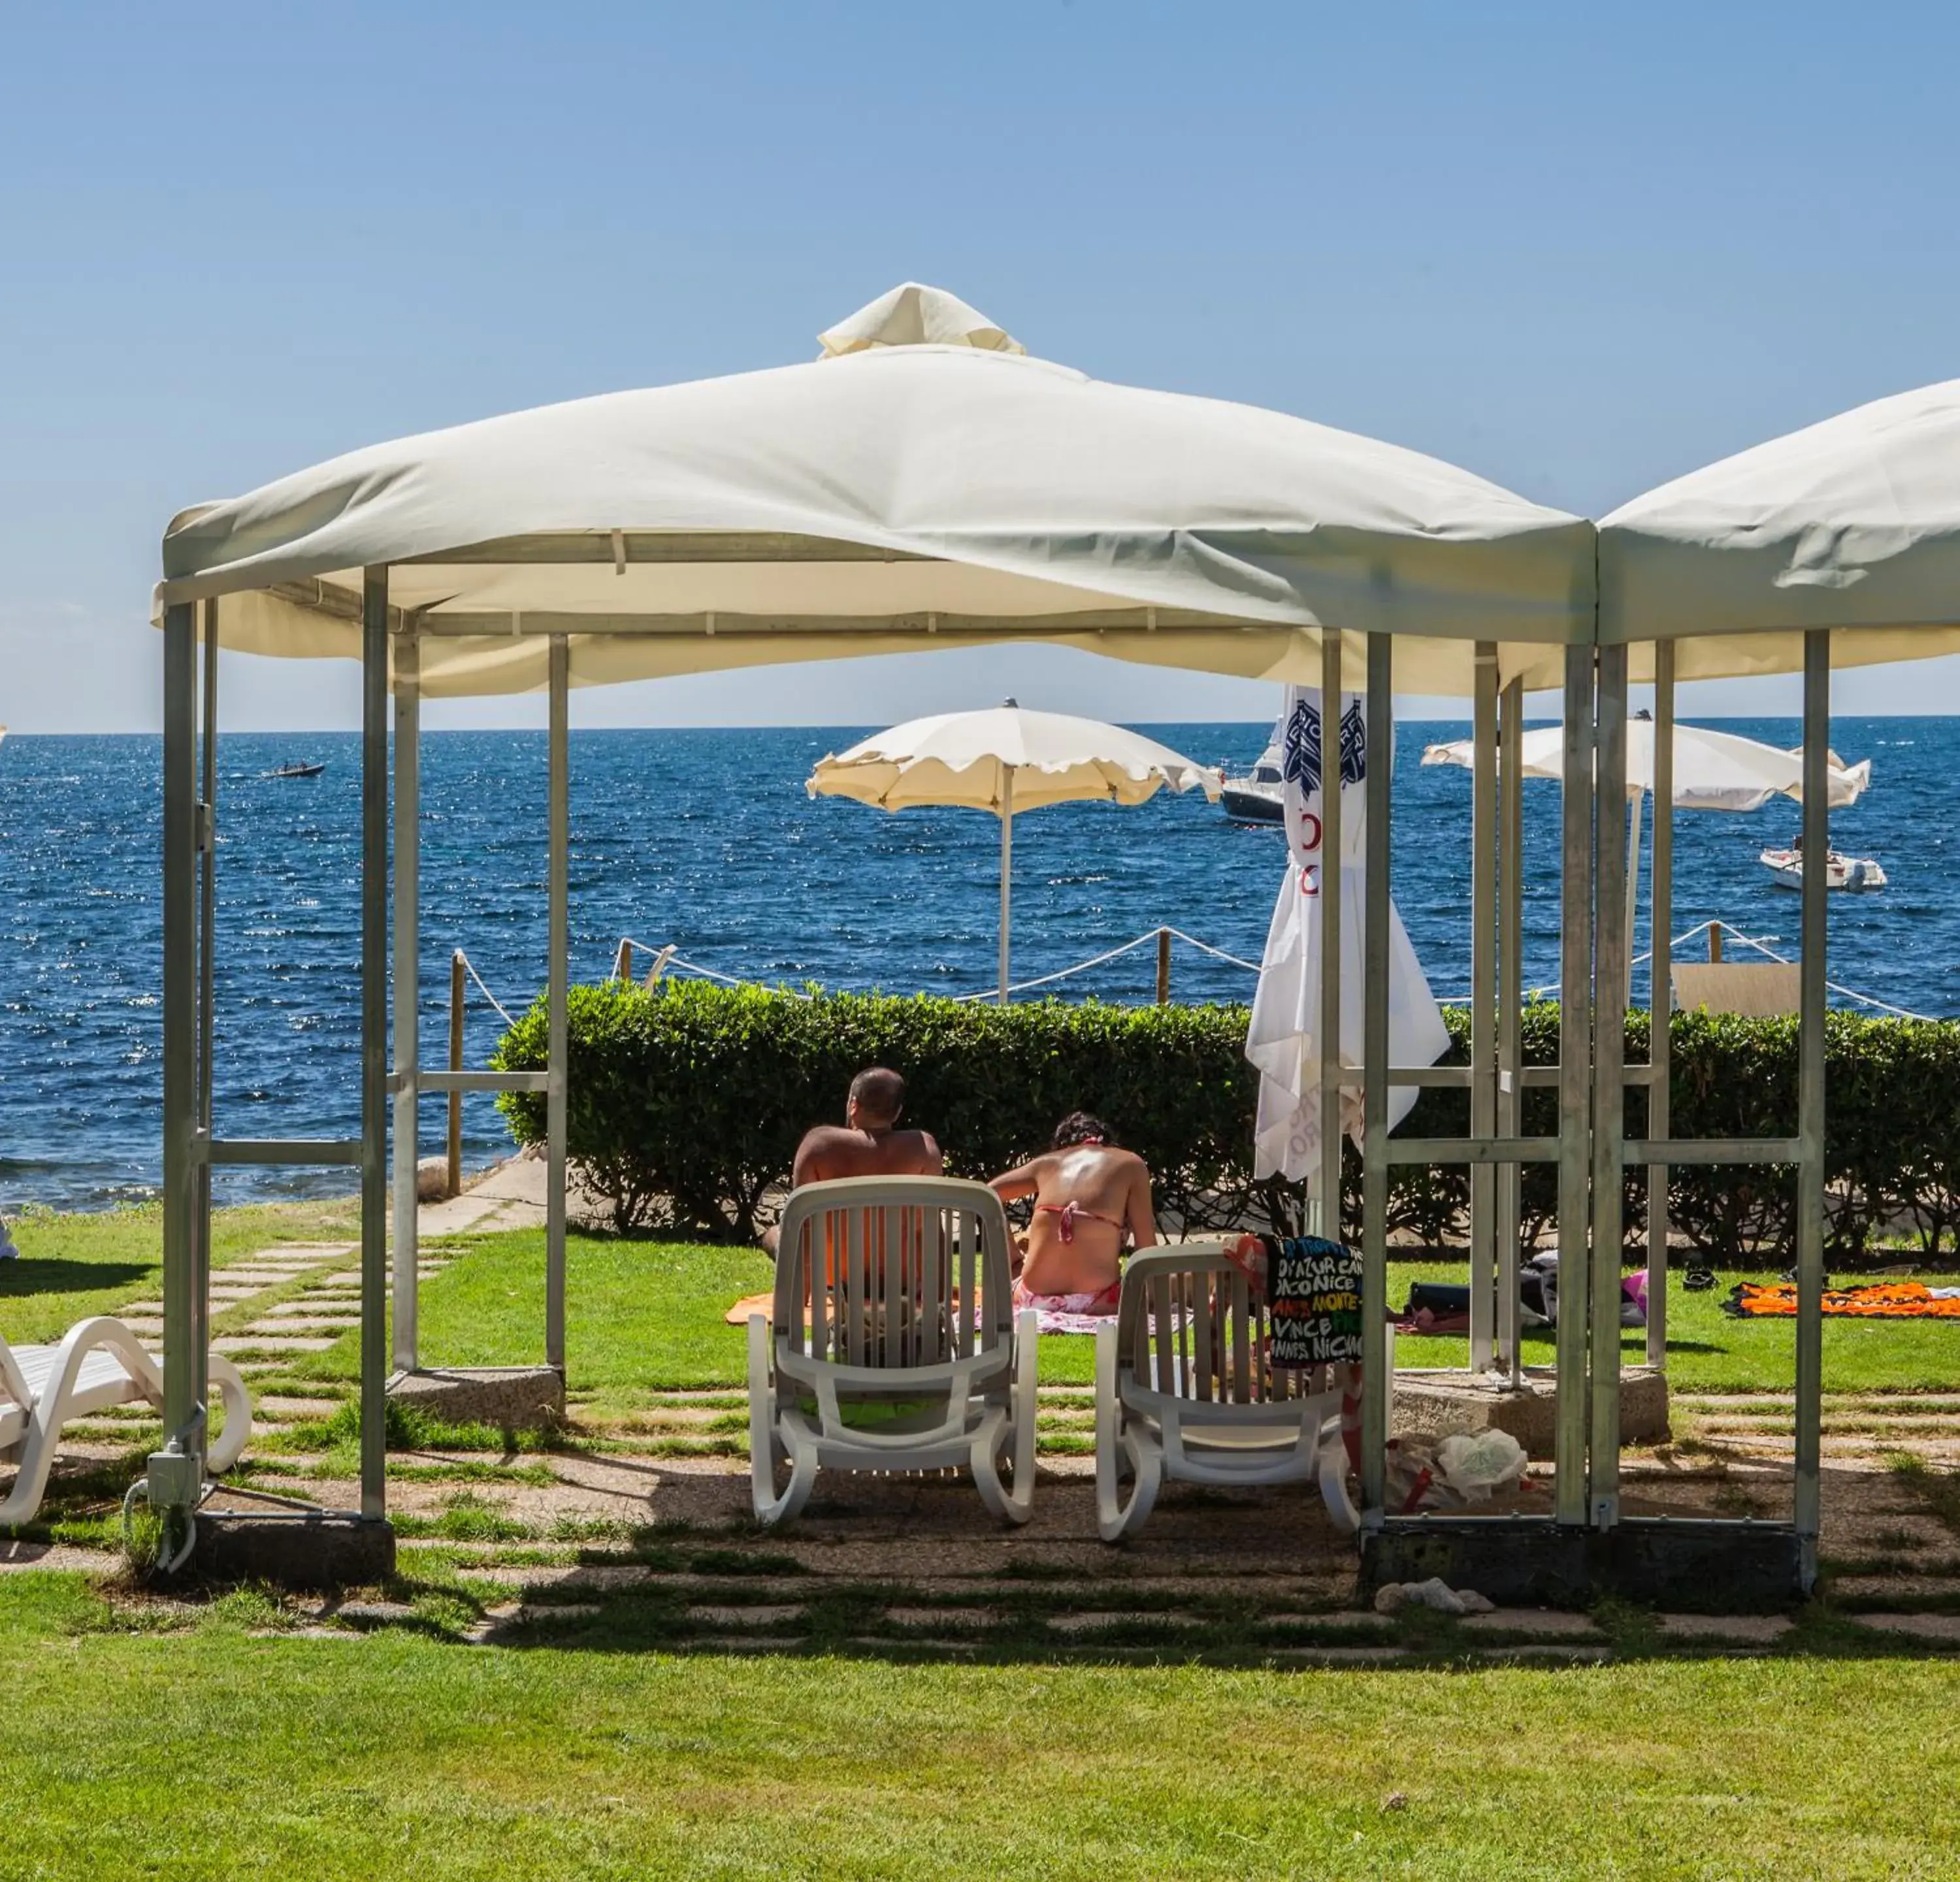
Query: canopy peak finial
913	314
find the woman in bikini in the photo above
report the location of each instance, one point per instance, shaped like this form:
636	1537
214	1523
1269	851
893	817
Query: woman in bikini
1090	1195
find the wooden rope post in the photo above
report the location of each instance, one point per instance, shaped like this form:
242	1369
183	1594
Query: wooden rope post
1163	967
1714	941
456	1064
622	967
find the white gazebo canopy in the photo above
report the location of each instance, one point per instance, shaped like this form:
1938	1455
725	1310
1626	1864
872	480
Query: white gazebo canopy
1853	524
931	485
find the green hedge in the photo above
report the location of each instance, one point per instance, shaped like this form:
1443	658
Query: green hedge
686	1102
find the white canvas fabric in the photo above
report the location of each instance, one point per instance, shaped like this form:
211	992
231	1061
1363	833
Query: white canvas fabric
1852	524
962	759
900	496
1713	771
913	314
1284	1038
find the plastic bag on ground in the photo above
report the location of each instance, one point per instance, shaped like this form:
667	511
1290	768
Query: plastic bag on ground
1476	1463
1393	1596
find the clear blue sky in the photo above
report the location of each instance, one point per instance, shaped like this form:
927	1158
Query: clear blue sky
1577	249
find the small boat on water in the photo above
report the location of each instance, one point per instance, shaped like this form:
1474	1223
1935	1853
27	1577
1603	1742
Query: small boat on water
1257	796
1786	868
295	771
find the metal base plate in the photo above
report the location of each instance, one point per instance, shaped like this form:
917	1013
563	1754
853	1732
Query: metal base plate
328	1549
1684	1565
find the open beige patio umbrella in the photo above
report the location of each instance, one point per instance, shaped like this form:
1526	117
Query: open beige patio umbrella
1006	759
1713	771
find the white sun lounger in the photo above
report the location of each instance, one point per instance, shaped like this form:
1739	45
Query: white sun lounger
99	1363
1183	1391
911	1358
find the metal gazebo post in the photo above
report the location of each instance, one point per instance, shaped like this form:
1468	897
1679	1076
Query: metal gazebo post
1510	1058
1810	1099
408	986
1575	1086
176	1473
1331	1085
1485	1273
560	942
373	1041
1660	997
1611	947
1375	1081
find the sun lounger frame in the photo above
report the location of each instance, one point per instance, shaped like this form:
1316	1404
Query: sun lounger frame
906	1287
1185	1391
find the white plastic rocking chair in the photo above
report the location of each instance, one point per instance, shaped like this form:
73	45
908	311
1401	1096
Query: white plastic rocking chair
98	1363
1184	1390
910	1358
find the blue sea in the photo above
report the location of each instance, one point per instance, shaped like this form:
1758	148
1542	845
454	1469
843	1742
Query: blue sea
706	839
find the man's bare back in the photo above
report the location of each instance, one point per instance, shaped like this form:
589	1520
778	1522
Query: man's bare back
830	1151
868	1143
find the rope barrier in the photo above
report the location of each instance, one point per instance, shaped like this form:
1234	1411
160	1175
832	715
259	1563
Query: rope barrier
503	1011
1205	947
666	959
1063	973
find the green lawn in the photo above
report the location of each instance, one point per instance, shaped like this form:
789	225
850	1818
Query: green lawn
648	1315
206	1753
74	1265
1708	1350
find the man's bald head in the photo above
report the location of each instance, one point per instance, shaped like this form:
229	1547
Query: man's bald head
877	1096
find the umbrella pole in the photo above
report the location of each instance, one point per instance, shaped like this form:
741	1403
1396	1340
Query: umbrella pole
1007	868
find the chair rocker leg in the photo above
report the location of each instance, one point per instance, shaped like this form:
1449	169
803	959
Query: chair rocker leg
765	1446
237	1403
1333	1475
1117	1516
772	1509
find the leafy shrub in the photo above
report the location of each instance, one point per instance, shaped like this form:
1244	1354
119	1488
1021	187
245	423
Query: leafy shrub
685	1103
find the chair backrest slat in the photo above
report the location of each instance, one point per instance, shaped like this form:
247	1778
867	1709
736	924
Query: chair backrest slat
1242	1368
1160	1299
1204	1335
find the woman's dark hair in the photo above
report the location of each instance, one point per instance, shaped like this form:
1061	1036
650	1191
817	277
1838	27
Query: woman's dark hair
1078	1127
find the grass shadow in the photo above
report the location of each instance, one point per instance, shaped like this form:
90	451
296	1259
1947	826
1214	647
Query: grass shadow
33	1275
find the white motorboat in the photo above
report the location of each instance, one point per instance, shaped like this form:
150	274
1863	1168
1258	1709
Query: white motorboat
1785	866
1257	797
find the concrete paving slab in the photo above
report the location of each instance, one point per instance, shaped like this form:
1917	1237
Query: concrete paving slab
1530	1620
598	1575
1094	1620
268	1332
1943	1627
768	1614
259	1343
1757	1629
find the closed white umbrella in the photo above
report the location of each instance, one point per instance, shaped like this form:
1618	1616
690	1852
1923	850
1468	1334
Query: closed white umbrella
1286	1039
1005	760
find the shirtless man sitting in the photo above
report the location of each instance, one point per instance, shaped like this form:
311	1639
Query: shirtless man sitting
1089	1196
869	1143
